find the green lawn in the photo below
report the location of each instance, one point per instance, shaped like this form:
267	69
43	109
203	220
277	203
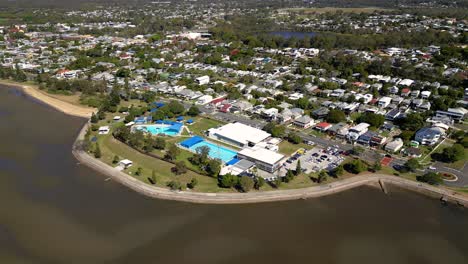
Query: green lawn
110	147
288	148
202	124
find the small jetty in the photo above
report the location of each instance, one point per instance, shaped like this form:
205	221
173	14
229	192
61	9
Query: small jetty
383	187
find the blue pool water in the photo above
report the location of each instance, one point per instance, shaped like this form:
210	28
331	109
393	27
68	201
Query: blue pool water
158	129
216	151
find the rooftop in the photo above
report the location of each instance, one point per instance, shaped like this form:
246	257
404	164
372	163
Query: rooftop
262	155
241	133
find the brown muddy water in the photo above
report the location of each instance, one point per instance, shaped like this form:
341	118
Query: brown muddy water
53	210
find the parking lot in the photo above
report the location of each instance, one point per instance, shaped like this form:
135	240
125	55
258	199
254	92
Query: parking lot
315	160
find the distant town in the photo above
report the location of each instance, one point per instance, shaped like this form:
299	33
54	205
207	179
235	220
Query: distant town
231	97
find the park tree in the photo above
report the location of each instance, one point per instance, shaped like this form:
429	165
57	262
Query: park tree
101	115
122	133
175	107
289	176
153	177
213	167
159	143
298	167
227	180
179	168
192	183
193	111
338	171
453	153
136	139
294	138
376	167
97	151
94	118
139	171
203	153
246	183
412	165
259	183
148	143
336	116
172	152
274	129
355	166
322	176
174	185
115	160
431	178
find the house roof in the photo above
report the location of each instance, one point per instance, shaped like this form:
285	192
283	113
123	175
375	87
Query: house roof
323	125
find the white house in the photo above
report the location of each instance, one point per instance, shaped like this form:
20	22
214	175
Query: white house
203	80
394	145
384	102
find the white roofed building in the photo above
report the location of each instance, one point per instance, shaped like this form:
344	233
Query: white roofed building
264	159
238	134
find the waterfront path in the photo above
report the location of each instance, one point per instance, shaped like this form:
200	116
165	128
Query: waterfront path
267	196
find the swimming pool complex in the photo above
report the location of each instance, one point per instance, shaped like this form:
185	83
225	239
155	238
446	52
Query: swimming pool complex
158	129
216	151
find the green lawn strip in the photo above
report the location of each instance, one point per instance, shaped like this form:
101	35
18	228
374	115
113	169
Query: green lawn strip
111	147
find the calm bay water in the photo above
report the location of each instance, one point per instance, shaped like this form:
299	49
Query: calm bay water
53	210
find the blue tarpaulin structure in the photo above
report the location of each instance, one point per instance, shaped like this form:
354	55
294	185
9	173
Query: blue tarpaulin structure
176	127
191	141
190	121
180	118
232	162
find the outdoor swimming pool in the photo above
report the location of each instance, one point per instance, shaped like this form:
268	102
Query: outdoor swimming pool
216	151
158	129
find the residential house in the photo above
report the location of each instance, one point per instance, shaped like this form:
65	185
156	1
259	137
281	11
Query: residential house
394	145
323	126
429	135
304	122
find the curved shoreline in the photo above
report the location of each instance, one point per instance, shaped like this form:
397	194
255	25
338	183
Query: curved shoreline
259	197
228	198
62	106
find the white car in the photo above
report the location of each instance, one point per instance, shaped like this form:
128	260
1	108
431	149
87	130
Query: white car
432	168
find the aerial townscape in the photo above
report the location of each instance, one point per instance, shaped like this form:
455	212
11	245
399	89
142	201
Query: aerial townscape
246	131
201	96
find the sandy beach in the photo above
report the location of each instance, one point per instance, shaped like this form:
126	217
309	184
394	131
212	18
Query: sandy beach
64	107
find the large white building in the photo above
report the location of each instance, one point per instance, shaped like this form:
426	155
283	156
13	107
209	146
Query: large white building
238	134
264	159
